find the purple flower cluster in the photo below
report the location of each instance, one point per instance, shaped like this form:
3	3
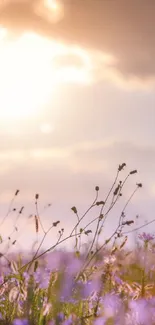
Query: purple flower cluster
102	295
146	237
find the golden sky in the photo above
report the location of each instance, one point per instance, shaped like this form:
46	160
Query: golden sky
76	99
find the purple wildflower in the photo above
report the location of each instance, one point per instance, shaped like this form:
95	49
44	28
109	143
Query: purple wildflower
118	280
26	276
140	312
112	305
89	288
68	322
68	287
42	278
146	237
100	321
1	279
18	321
60	316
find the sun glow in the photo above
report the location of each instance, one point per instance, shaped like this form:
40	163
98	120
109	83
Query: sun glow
52	10
29	74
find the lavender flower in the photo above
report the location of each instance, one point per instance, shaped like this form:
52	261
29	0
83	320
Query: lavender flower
140	313
68	322
146	237
60	317
112	305
100	321
89	288
18	321
42	278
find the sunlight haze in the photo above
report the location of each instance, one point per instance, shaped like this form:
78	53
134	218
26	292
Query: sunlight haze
77	98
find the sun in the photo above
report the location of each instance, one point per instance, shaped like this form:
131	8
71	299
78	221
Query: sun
25	80
29	75
51	10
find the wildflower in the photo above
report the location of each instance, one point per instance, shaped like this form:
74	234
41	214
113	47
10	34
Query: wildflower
42	278
68	322
18	321
140	312
90	288
118	280
146	237
112	305
26	277
74	266
67	287
100	321
60	317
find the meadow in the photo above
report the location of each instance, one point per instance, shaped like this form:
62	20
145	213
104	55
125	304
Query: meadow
101	283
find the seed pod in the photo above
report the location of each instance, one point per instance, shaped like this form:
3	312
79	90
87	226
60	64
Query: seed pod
36	224
37	196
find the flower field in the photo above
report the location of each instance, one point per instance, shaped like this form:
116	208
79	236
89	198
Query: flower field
103	283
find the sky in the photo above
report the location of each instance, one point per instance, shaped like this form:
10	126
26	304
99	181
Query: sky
77	99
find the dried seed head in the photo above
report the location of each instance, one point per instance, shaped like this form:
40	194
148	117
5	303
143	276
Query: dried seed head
116	190
88	232
74	209
101	216
121	167
21	210
128	222
139	184
97	188
100	203
133	172
55	223
37	196
36	265
16	193
36	224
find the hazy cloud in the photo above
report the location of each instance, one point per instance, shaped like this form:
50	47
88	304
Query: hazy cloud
122	28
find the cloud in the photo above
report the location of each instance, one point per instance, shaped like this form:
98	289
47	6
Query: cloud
86	159
124	29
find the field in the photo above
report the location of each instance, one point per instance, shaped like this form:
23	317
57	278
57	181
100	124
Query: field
99	284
